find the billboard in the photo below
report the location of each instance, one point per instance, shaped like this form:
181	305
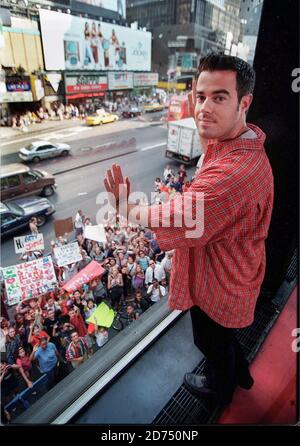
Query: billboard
118	6
76	43
120	81
145	79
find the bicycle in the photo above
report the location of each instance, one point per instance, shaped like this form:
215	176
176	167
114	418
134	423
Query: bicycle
117	324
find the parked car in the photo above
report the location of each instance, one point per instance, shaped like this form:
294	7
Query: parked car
15	214
131	112
101	118
18	180
40	150
154	107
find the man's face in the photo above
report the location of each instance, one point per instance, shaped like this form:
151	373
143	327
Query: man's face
51	315
218	113
75	338
129	310
76	295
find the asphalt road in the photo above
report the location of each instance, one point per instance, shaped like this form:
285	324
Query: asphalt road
78	187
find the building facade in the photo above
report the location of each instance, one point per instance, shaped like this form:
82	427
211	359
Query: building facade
71	52
250	13
183	30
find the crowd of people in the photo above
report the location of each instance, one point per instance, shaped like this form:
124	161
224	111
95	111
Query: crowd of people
50	334
57	111
170	184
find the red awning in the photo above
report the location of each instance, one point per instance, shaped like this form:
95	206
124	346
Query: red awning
84	95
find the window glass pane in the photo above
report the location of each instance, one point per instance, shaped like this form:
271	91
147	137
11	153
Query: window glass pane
4	183
6	218
29	177
181	32
14	181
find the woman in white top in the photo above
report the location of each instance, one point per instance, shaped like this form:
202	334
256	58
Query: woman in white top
101	334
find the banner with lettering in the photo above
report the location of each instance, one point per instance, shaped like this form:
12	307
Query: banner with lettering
29	279
31	242
90	272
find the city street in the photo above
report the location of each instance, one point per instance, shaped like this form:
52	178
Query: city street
78	186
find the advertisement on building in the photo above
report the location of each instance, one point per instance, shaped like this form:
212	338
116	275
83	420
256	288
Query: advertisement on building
118	6
36	88
120	81
16	90
145	79
72	43
85	83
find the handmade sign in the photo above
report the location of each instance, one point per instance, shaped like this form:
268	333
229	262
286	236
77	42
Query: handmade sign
103	314
63	227
90	272
67	254
96	233
31	242
29	279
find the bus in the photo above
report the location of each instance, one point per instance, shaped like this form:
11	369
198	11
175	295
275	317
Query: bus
178	108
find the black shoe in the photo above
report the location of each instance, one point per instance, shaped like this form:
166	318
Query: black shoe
246	381
198	385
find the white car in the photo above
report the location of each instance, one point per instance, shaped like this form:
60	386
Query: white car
39	150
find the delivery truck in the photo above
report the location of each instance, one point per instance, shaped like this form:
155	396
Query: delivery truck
183	142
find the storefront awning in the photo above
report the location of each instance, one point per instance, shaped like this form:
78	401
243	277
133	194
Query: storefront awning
84	95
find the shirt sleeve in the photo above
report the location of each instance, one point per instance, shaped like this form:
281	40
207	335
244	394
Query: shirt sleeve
70	353
207	210
150	289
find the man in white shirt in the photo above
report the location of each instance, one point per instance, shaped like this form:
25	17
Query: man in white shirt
154	271
166	264
167	171
78	223
155	292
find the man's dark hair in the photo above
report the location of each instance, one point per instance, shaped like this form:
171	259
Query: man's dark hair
245	74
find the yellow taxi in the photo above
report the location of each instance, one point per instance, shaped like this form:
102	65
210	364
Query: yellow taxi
101	118
154	107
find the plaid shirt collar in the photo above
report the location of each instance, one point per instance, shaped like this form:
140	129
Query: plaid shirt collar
222	148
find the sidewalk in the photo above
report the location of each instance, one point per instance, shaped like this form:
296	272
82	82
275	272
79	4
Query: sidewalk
8	133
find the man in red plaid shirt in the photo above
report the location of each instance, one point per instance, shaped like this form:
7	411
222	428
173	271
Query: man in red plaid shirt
224	266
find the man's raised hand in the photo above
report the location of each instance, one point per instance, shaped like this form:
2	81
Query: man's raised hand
114	182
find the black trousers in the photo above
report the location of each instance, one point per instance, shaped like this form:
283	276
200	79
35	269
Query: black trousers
226	364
